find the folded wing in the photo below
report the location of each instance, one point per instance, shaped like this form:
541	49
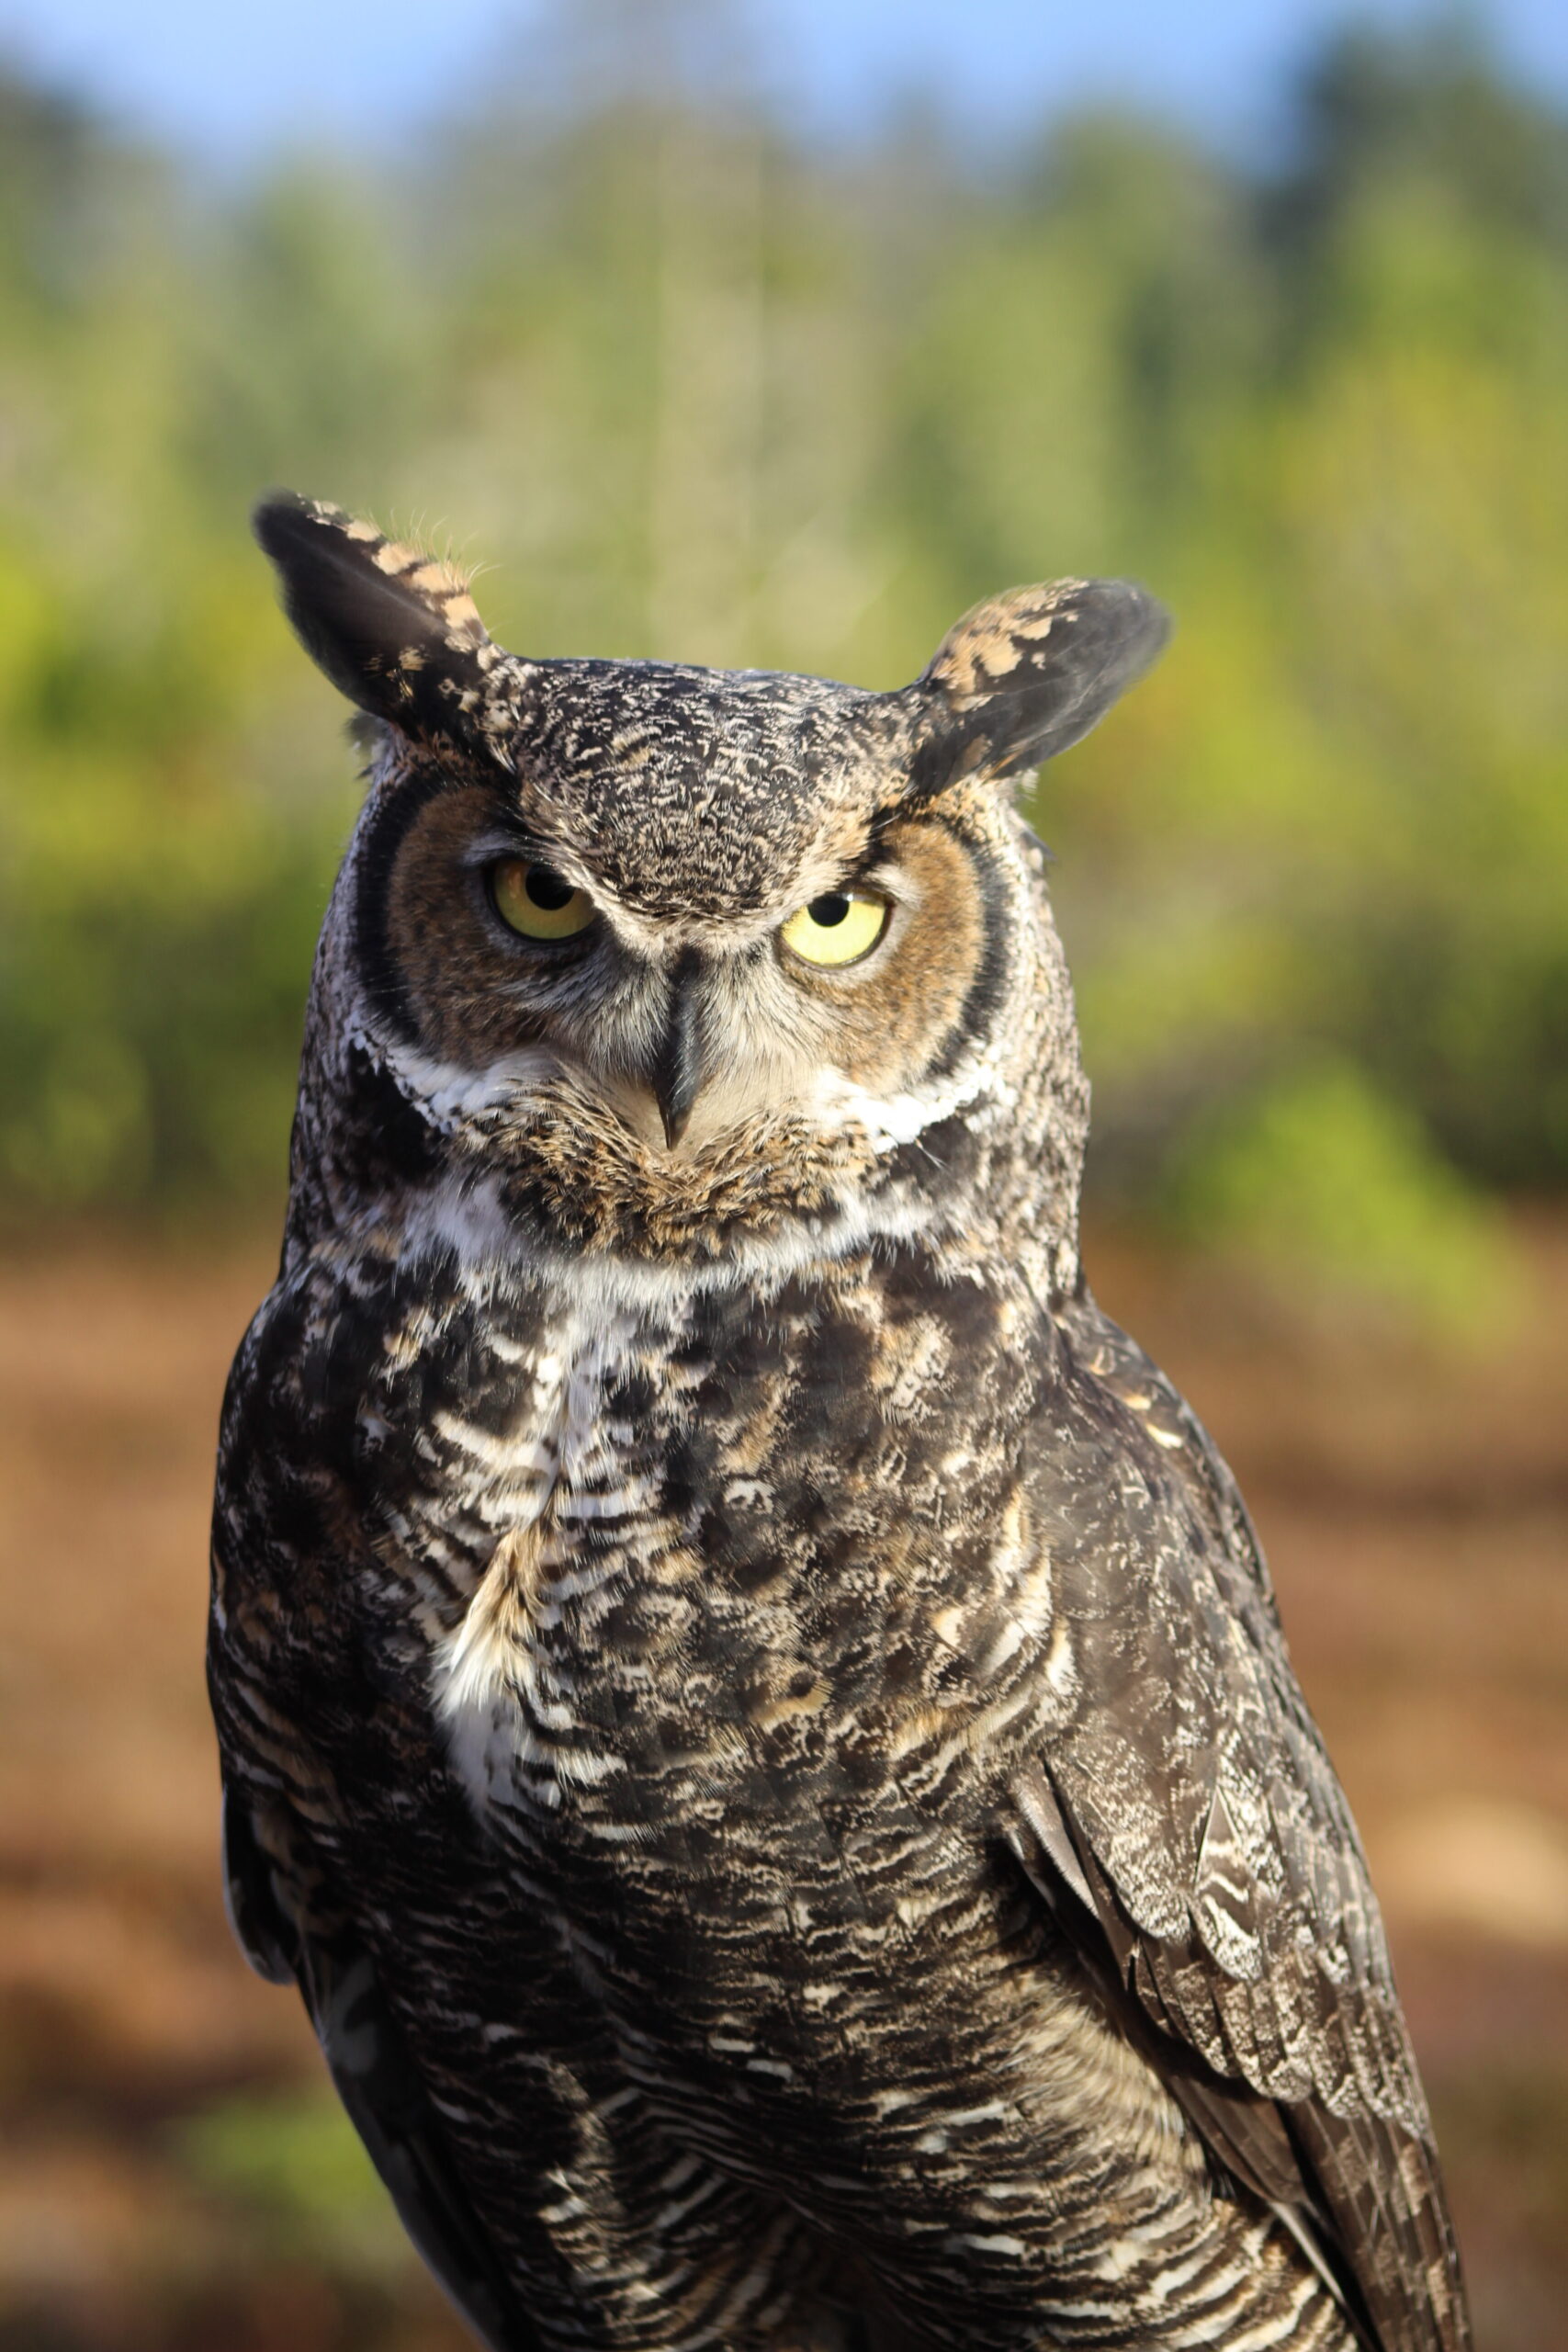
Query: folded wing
1189	1833
375	2077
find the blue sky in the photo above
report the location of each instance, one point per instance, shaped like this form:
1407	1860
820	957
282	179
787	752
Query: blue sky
229	81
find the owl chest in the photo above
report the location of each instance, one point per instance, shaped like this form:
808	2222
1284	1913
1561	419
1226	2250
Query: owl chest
719	1614
674	1569
544	1479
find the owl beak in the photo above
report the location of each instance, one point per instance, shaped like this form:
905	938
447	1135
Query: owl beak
678	1072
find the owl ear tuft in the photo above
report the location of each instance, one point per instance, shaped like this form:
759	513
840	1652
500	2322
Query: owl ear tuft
395	630
1025	674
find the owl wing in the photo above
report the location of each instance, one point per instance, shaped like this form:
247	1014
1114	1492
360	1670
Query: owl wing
375	2078
1190	1832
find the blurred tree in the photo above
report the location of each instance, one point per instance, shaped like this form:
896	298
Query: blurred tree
1380	110
697	388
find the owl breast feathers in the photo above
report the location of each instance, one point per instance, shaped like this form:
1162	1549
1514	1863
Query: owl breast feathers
752	1713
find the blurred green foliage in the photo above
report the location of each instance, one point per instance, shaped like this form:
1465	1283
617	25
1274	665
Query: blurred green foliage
696	389
1320	1173
293	2168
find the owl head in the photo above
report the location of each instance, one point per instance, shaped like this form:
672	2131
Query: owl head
670	959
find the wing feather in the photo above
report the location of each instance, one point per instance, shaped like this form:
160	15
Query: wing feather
1188	1830
372	2067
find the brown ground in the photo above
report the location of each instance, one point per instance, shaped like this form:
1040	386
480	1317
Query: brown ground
169	2177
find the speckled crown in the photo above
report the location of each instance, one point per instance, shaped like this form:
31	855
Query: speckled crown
690	787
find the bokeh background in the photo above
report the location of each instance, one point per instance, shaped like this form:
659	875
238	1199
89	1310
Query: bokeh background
776	337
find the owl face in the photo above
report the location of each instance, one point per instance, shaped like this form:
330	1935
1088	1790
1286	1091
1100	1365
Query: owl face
505	945
694	907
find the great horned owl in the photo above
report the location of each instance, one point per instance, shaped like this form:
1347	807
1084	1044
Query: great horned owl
752	1711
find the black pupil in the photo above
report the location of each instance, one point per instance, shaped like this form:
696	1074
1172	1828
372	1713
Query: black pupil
828	909
546	890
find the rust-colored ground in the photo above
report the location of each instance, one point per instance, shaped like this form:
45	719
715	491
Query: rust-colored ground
169	2177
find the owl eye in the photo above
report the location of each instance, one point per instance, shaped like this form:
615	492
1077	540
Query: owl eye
534	900
837	928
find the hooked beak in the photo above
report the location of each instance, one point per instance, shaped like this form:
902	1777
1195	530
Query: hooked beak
677	1072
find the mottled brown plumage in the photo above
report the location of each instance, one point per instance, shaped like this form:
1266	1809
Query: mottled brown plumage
752	1712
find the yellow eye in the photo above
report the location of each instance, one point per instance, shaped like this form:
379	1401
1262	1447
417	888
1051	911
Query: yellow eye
837	928
533	899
